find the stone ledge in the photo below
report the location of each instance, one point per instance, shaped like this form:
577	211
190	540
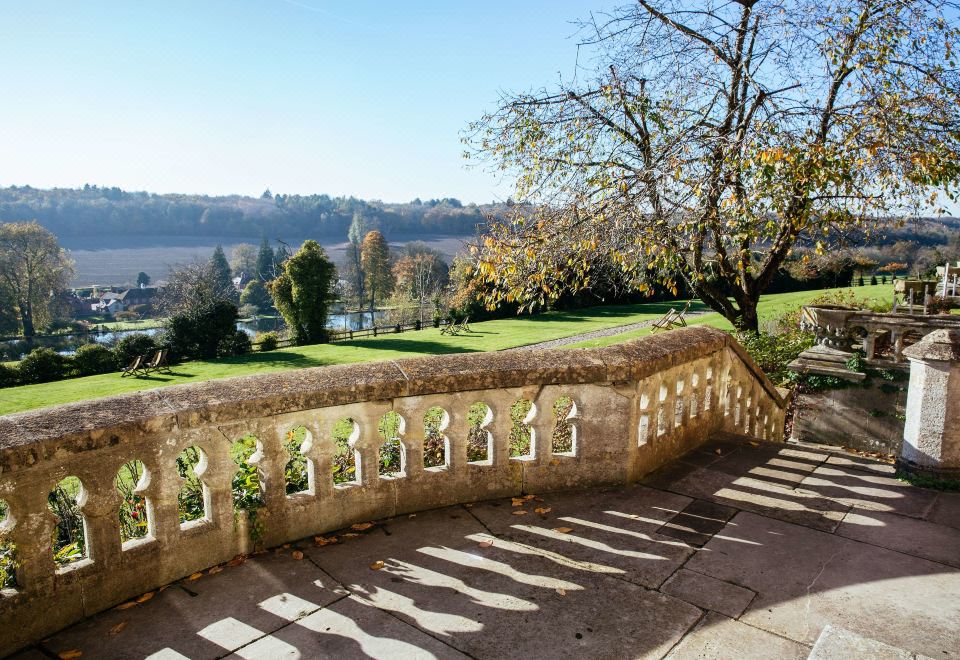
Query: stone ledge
100	422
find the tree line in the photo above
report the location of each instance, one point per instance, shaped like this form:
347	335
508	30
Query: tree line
96	211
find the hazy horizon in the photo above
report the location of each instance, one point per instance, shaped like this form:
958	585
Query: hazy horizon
301	97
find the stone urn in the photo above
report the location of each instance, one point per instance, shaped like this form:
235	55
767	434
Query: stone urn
829	324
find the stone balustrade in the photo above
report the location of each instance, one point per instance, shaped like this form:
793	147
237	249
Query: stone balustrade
636	406
843	328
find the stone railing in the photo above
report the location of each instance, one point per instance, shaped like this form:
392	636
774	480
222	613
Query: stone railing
636	406
844	328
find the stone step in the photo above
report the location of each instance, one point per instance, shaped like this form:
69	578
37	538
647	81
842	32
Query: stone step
835	642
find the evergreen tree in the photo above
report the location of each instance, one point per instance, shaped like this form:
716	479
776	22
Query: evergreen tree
378	273
221	271
303	291
256	294
355	275
265	262
143	279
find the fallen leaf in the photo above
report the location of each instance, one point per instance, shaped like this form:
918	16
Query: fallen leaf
718	451
126	606
195	576
286	545
561	592
528	497
69	655
518	501
350	535
117	629
754	444
362	526
297	554
469	505
412	515
563	530
236	561
215	570
519	513
145	597
485	544
322	541
543	509
377	565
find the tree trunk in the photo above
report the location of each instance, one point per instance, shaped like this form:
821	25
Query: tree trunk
747	321
26	319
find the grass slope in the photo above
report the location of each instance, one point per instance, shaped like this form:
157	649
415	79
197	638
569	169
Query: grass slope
770	307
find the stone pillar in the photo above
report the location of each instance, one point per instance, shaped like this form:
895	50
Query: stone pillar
931	436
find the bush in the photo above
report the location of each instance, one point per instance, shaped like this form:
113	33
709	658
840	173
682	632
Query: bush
199	332
127	316
236	344
268	341
873	280
91	359
940	305
772	353
43	365
8	376
130	346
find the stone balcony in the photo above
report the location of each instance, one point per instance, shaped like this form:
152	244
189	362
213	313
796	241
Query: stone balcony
739	549
674	521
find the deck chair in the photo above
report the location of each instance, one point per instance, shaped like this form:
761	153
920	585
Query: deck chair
137	367
158	363
672	319
465	326
450	328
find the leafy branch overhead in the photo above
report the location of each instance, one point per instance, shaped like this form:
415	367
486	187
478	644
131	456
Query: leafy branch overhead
705	142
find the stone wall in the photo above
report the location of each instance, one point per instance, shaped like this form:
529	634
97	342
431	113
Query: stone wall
637	405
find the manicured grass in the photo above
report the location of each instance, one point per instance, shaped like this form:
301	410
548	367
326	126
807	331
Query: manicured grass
770	307
488	336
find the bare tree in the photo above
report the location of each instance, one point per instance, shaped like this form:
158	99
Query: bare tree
709	139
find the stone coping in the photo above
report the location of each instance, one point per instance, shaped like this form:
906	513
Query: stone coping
90	424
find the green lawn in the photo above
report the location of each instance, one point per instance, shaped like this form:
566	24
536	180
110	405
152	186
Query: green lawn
488	336
770	307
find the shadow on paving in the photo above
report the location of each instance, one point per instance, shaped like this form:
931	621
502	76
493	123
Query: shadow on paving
737	550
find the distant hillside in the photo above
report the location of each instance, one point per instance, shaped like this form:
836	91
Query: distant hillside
94	211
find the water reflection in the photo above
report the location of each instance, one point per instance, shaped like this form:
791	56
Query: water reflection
67	344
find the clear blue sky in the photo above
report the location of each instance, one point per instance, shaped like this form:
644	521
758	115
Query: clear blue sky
364	98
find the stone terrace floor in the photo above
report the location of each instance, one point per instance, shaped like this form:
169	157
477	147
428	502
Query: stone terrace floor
738	550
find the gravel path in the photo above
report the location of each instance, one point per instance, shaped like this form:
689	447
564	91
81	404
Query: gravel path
607	332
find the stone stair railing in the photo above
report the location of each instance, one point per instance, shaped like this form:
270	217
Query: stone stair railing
637	405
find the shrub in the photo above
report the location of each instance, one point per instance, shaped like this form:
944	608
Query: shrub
199	331
126	316
268	341
43	365
130	346
873	280
236	344
8	375
772	353
91	359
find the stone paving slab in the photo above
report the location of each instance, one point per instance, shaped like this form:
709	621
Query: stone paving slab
617	528
349	628
709	593
806	579
946	510
876	492
207	617
720	638
758	495
907	535
505	599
